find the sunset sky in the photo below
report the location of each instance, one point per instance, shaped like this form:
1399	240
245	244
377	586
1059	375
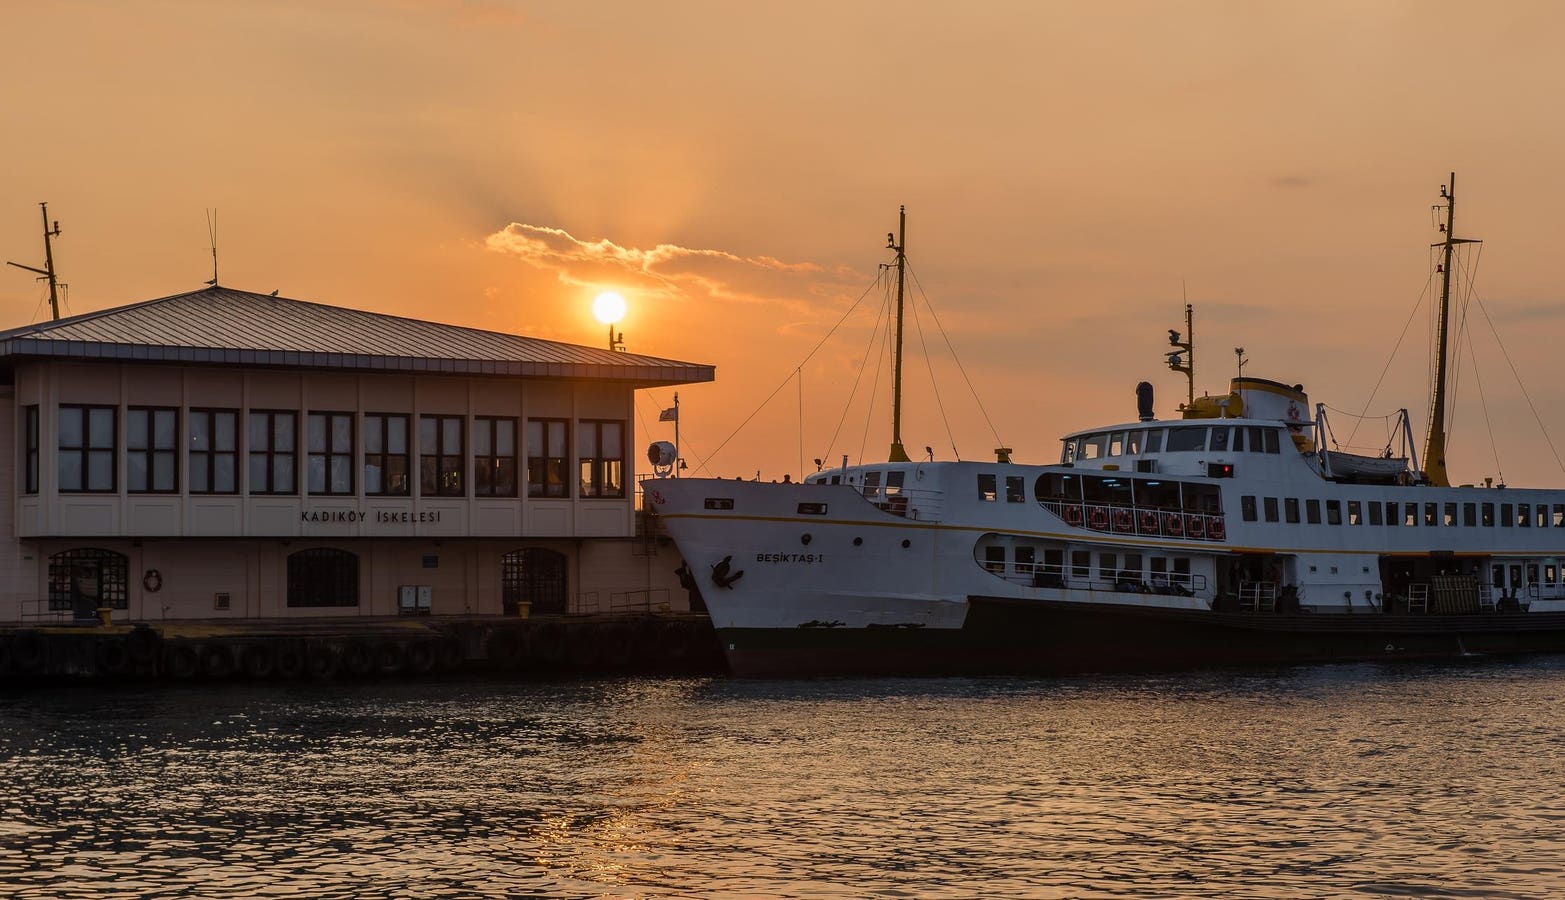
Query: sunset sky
732	169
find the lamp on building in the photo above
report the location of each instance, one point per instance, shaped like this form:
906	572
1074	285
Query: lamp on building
609	308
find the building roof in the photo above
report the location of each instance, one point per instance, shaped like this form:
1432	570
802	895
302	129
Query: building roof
222	326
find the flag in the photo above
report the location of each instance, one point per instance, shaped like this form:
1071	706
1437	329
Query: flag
669	415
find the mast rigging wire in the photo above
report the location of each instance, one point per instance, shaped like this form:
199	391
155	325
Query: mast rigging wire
960	368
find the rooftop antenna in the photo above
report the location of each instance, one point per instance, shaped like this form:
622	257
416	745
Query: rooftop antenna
1239	352
1182	357
211	230
48	266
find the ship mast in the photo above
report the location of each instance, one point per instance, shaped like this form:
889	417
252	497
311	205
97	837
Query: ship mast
48	270
898	243
1434	445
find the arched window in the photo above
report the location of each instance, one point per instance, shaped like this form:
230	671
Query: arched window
82	581
537	576
323	577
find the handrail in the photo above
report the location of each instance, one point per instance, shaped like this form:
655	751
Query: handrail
1171	584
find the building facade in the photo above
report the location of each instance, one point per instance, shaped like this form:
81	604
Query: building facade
229	455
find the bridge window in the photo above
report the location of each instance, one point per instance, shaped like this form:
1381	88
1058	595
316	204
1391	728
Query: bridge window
1186	437
1219	439
1154	442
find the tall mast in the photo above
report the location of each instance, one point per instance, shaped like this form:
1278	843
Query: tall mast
1182	357
1434	445
898	454
48	255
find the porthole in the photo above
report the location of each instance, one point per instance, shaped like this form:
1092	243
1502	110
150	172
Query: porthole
858	542
906	544
805	539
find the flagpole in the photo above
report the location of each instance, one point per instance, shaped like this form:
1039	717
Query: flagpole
676	434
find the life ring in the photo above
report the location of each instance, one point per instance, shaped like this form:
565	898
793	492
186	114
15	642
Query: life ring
1215	529
1148	522
1123	520
1073	515
152	581
1099	520
1173	524
1196	526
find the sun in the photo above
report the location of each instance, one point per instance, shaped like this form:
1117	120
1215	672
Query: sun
608	308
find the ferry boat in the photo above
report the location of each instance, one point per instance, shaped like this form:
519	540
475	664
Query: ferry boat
1228	535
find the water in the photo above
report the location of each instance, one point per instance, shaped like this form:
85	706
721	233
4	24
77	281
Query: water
1411	781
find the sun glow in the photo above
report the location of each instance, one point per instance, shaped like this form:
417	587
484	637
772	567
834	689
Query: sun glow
608	308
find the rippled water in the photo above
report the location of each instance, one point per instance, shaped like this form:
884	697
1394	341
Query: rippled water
1310	782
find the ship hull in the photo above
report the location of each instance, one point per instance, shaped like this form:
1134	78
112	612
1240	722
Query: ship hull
1041	637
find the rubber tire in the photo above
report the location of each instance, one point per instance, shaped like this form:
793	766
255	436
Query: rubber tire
451	655
290	660
357	659
389	657
503	648
257	661
420	657
217	661
320	661
111	656
548	643
29	651
143	644
181	660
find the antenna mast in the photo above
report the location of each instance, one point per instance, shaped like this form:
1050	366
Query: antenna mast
899	244
211	229
1185	349
48	255
1434	444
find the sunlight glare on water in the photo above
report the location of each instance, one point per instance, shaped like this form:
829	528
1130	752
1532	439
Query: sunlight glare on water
1310	782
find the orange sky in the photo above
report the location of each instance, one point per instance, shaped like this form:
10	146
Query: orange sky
732	169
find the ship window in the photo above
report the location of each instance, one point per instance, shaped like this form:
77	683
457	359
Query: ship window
1270	436
1025	557
1247	508
1219	439
812	509
1182	566
1269	507
994	559
871	488
1559	515
1015	488
1054	563
1541	511
986	490
1333	512
1488	515
1239	439
1108	566
1431	514
719	503
1374	509
1549	573
1507	515
1117	444
1355	513
1523	515
1449	518
1133	442
1187	438
1312	511
1497	575
1052	486
1094	446
1154	442
1203	498
1131	570
1157	493
1470	515
1081	564
1290	510
1410	514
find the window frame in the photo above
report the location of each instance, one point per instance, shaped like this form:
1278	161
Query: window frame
385	454
545	471
86	450
491	462
32	449
443	471
211	454
330	454
600	465
271	454
150	453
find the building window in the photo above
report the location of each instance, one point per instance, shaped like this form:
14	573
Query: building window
151	450
329	449
494	457
30	464
323	577
546	458
534	576
87	448
84	581
601	448
386	455
273	452
440	456
214	451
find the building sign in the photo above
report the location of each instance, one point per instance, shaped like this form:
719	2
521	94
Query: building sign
380	517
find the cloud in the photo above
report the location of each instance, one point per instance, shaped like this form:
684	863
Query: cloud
672	271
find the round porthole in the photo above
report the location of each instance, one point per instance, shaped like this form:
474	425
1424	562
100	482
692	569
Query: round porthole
906	544
805	539
858	542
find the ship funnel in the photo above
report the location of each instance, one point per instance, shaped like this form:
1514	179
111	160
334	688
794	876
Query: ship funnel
1144	401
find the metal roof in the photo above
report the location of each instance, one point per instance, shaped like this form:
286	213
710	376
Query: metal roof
222	326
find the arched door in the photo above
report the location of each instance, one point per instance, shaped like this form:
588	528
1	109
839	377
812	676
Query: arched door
536	576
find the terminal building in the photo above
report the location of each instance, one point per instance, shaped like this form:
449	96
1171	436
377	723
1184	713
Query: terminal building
227	455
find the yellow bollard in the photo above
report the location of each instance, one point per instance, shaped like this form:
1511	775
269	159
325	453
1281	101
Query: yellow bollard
105	614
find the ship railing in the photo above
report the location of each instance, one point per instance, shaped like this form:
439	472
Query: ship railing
1258	596
1049	575
1143	521
911	503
